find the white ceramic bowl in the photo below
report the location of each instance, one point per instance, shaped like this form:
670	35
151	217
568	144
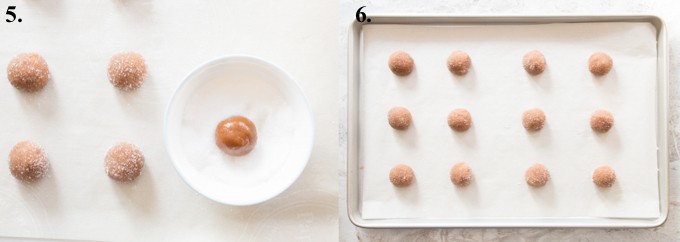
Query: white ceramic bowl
253	88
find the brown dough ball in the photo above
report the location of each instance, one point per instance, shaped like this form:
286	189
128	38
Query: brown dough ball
537	175
236	136
127	70
401	175
28	72
604	176
27	161
461	174
399	118
400	63
600	64
459	63
124	162
601	121
459	119
534	62
533	119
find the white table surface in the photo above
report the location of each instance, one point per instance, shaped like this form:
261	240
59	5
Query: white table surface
175	37
666	9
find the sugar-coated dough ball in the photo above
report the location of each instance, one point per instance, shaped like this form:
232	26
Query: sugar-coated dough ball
28	72
600	64
459	63
537	175
601	121
604	176
27	161
459	119
124	162
399	118
461	174
127	70
400	63
533	119
534	62
236	135
401	175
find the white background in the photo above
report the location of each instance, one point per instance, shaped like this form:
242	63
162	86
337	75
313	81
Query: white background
77	38
667	9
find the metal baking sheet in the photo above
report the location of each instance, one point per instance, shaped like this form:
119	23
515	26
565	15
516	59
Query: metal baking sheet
354	129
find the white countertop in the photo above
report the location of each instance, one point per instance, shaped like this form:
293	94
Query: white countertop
666	9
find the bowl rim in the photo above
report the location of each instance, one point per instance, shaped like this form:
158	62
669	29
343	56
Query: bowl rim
203	66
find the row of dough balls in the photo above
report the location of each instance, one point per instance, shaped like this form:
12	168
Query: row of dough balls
29	71
533	119
459	63
28	162
536	176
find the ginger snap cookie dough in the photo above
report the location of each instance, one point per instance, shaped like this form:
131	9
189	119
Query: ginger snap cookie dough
399	118
124	162
461	174
28	72
604	176
601	121
127	71
600	64
537	175
534	62
459	63
533	119
27	161
459	119
400	63
401	175
236	135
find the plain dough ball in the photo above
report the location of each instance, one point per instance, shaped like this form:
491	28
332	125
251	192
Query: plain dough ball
533	119
127	70
604	176
460	119
459	63
124	162
399	118
461	174
27	161
401	175
534	62
600	64
601	121
28	72
537	175
400	63
236	135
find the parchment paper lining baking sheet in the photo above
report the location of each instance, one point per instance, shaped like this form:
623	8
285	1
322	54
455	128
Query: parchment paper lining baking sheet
496	92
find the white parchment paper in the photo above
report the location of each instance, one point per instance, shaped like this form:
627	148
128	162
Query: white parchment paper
497	91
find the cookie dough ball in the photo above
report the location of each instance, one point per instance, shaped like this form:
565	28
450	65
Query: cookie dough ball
399	118
604	176
127	70
600	64
537	175
533	119
459	63
28	72
236	135
459	119
534	62
400	63
27	161
601	121
401	175
461	174
124	162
